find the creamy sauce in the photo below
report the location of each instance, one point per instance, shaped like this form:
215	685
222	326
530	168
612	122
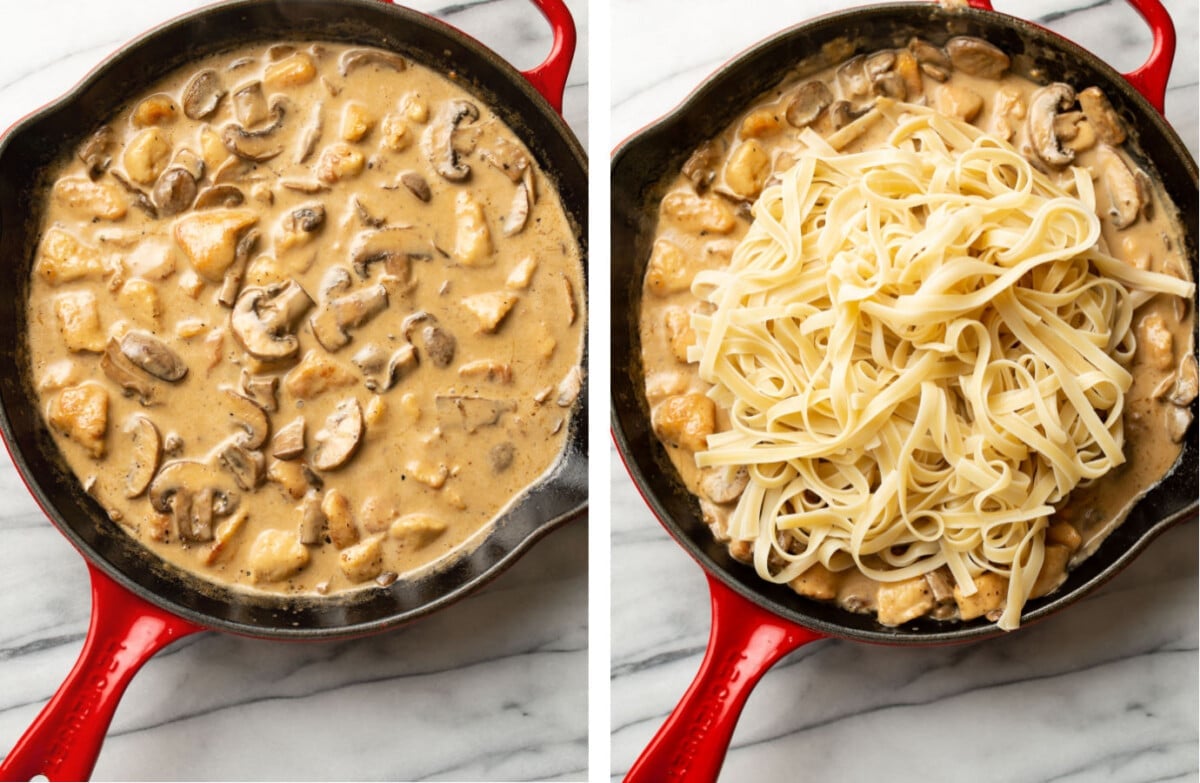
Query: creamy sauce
373	295
705	213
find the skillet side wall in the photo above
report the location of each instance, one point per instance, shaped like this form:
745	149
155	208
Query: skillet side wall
643	164
37	144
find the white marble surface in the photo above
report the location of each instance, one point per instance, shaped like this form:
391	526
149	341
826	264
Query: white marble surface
1102	693
493	688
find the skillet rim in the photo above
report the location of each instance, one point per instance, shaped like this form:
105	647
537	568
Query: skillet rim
779	600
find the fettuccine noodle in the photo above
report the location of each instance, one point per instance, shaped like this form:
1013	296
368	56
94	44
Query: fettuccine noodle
922	348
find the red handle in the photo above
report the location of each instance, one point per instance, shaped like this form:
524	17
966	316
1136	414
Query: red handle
550	78
1151	78
745	641
65	739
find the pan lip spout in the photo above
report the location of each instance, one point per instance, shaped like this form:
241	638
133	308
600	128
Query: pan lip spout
559	496
638	165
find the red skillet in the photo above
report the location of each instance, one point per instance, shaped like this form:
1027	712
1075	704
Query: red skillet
140	605
754	624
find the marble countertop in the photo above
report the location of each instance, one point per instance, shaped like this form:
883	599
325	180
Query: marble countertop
492	688
1102	693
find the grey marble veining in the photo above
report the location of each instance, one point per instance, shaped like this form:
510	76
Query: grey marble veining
1103	693
492	688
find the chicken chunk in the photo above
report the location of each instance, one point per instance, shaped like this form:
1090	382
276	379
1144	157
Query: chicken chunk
362	561
1155	343
991	591
490	308
81	413
276	555
79	322
417	530
669	270
680	333
472	239
316	374
339	519
101	200
64	259
686	420
697	214
900	602
209	239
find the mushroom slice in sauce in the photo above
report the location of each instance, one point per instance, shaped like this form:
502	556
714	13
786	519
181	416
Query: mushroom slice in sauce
337	441
1043	107
263	320
394	247
219	196
153	355
381	371
288	442
312	518
147	451
416	185
248	417
1101	116
261	389
127	375
438	140
247	467
175	191
94	151
977	57
203	94
192	492
810	100
471	413
337	315
1124	195
353	59
439	344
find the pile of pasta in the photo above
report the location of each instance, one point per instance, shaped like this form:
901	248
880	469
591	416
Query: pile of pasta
923	350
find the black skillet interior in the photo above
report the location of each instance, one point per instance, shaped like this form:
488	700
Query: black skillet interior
642	165
39	140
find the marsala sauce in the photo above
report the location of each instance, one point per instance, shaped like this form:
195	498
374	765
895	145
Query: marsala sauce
360	140
1152	428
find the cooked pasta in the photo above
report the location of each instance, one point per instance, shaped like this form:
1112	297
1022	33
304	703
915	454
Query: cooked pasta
923	350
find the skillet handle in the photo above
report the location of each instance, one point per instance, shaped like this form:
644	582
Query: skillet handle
1151	78
65	739
744	642
550	78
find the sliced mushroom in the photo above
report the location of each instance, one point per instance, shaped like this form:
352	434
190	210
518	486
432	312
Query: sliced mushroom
309	186
256	145
507	158
725	484
701	167
439	345
977	57
841	114
1124	195
518	213
312	518
147	451
247	467
810	100
125	374
337	441
263	320
94	151
1043	107
288	442
219	196
203	94
439	140
262	389
231	285
250	104
364	214
192	492
1101	116
852	78
175	191
879	63
337	315
381	371
926	52
470	413
307	142
353	59
1187	382
394	247
140	199
248	417
153	355
500	456
416	185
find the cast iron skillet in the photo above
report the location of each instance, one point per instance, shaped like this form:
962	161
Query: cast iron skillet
755	622
140	604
